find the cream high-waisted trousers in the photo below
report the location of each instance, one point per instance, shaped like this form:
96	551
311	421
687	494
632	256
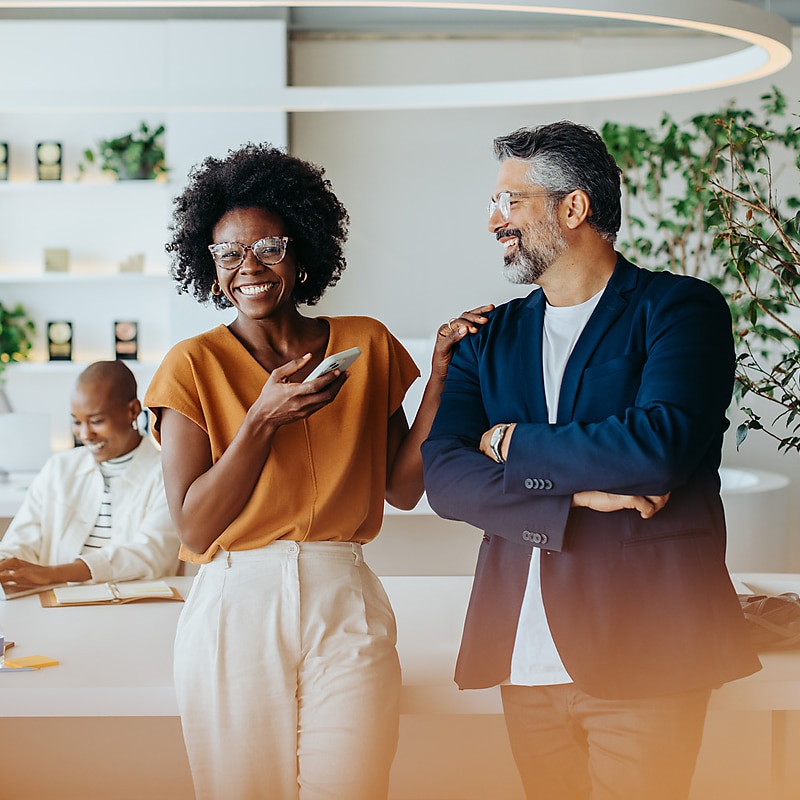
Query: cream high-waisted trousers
287	675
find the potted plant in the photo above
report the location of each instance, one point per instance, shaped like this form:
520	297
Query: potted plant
138	155
16	339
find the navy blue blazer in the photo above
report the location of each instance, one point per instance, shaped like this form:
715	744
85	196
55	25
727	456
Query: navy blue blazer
636	607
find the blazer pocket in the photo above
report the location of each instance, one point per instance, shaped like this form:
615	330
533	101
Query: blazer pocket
664	536
630	362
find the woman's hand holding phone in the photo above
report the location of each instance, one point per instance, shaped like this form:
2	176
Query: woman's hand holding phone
283	400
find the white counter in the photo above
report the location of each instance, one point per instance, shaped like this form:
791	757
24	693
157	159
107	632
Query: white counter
116	661
113	693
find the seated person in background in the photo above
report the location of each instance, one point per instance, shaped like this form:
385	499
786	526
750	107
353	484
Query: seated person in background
98	512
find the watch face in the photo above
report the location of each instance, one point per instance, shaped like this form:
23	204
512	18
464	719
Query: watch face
49	152
59	332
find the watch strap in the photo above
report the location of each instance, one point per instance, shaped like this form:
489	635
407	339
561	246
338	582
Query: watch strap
496	441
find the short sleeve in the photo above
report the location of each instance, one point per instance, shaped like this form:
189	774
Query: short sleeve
174	386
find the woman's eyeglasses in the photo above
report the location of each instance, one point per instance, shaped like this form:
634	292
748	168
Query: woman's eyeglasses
268	251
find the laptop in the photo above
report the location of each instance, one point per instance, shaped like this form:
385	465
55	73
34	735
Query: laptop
24	447
13	595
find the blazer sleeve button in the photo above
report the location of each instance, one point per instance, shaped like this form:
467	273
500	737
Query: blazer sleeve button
528	483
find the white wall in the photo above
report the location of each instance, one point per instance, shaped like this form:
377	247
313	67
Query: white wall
416	183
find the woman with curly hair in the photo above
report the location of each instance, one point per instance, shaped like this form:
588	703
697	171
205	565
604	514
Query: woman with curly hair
286	671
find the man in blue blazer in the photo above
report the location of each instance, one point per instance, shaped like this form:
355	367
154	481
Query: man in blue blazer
581	428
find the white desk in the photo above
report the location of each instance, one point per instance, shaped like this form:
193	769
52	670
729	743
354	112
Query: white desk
117	660
114	661
116	672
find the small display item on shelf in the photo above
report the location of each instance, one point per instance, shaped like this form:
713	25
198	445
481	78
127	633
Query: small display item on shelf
126	340
3	161
56	259
59	340
134	263
48	161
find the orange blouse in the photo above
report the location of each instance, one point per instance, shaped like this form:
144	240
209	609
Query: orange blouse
325	477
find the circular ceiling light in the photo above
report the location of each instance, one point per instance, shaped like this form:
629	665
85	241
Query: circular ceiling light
767	40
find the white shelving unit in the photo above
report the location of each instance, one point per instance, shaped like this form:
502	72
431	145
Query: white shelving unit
113	75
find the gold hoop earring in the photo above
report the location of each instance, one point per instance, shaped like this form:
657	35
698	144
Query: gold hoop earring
302	275
215	289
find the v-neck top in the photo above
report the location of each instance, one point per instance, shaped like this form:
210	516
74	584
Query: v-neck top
325	477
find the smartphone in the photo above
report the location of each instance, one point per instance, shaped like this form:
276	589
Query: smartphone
340	361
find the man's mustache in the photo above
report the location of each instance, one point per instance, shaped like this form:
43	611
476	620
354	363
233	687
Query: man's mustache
508	232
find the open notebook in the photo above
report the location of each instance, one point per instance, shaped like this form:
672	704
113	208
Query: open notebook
109	593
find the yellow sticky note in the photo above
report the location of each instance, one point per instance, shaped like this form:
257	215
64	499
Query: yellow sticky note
32	661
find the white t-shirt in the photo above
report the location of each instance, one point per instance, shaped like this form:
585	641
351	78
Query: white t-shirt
535	660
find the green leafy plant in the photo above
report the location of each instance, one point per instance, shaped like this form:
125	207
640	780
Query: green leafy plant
701	198
16	335
760	242
138	155
670	218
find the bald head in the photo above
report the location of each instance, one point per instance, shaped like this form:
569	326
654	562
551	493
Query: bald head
115	375
105	409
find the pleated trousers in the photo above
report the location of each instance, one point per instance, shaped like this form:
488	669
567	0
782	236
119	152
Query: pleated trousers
287	675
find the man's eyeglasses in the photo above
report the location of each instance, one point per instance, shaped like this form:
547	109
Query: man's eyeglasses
502	202
268	251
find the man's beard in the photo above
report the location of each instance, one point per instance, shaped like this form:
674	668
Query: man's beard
537	248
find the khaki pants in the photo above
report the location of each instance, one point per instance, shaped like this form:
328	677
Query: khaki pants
569	745
287	675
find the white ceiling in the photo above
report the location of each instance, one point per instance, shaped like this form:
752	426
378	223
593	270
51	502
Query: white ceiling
384	21
393	21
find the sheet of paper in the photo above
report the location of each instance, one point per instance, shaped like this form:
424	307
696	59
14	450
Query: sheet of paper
87	593
143	589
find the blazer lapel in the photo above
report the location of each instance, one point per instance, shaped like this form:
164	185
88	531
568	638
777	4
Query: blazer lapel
529	338
611	305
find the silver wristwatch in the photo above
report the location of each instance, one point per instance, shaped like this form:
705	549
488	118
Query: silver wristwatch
497	439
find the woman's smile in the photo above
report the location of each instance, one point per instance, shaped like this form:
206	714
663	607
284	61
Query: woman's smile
255	289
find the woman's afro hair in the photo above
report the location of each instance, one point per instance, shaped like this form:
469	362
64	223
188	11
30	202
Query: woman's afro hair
265	177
